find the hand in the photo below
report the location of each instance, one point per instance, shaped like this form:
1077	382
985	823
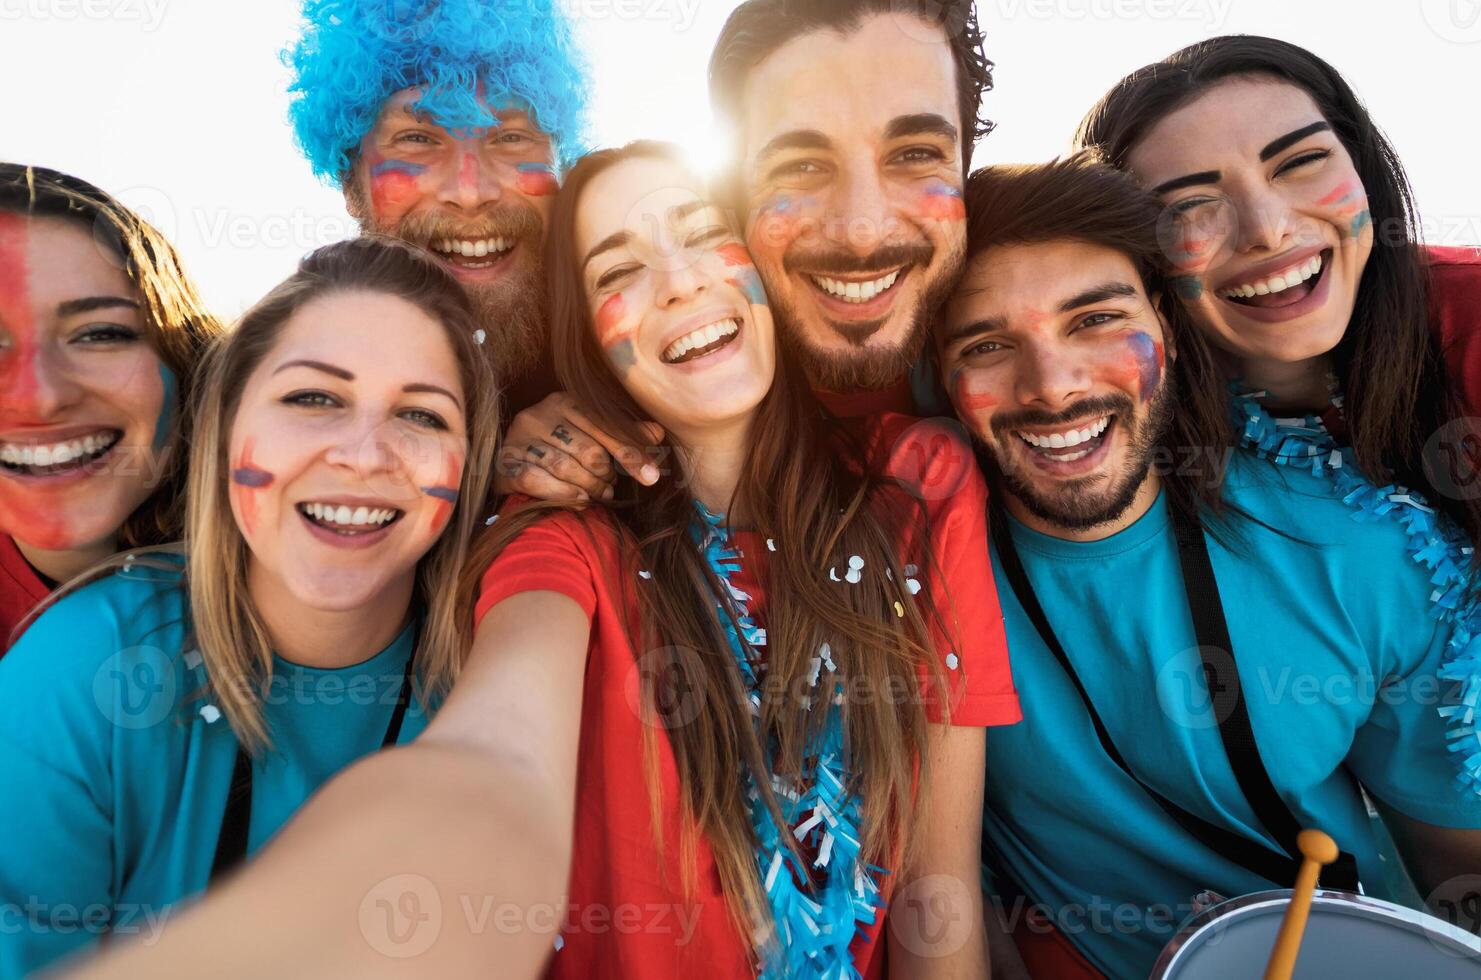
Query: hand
552	451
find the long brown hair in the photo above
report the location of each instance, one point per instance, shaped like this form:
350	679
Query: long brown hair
227	627
1396	393
176	321
805	488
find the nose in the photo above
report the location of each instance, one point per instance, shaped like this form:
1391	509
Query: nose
1048	377
467	183
369	448
681	279
36	383
861	217
1263	219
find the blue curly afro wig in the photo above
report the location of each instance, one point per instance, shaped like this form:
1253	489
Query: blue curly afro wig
354	54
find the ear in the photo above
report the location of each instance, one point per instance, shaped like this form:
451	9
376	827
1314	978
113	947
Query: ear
1169	340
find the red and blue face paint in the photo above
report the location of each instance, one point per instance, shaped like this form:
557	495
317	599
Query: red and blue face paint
246	478
1148	354
535	179
394	184
743	275
615	333
18	381
970	393
1352	204
942	202
446	492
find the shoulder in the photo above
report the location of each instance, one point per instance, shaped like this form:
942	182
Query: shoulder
1445	258
931	459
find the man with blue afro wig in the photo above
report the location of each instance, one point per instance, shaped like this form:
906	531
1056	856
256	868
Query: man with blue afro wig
446	123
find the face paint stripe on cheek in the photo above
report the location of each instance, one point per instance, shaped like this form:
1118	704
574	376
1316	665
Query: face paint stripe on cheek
446	493
1148	355
165	423
968	397
18	382
246	478
1343	193
943	202
535	179
614	334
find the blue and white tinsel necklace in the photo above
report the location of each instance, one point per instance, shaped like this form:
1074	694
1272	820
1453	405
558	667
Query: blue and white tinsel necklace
814	926
1434	542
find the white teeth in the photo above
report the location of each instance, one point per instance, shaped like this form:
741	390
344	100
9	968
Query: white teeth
360	516
1065	440
1278	283
472	247
703	337
55	454
856	292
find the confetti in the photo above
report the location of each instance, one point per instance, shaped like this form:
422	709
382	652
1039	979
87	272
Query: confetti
953	661
899	609
479	336
210	713
855	562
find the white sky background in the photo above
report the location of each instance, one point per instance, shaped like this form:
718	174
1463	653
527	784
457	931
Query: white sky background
179	106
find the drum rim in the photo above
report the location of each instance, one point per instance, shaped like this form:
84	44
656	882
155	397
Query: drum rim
1179	944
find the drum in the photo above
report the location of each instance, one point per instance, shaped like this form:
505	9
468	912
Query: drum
1347	936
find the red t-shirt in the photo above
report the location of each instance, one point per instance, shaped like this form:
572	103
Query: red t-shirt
1455	314
21	589
897	398
628	915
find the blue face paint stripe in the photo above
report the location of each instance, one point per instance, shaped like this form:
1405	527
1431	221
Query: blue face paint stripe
398	167
442	493
165	423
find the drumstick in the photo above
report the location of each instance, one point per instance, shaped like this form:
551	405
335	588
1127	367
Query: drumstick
1317	850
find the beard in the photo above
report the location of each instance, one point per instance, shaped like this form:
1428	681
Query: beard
864	368
512	311
1081	504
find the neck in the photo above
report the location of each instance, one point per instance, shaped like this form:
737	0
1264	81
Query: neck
1146	496
327	638
1289	386
67	563
713	459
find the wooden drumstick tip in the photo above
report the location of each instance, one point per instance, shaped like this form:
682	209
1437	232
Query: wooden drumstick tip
1317	849
1317	846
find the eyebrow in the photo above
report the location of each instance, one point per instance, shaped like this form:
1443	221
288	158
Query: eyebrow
918	124
1293	137
1097	294
1191	180
797	139
434	390
87	304
317	366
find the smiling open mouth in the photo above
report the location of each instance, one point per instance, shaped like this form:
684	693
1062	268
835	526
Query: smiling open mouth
699	343
1285	288
472	253
1067	445
56	459
346	520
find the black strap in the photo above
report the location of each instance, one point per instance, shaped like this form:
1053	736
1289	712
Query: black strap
231	844
1212	633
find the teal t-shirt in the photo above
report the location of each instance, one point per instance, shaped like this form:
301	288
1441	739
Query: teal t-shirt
115	767
1337	648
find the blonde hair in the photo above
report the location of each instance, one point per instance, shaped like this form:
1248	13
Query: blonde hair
228	629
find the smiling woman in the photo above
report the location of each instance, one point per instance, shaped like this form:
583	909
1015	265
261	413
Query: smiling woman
100	330
338	468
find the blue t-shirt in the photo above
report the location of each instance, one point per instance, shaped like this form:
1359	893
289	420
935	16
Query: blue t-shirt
1337	648
115	767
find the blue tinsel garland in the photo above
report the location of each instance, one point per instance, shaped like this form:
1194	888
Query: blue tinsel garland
814	927
1434	541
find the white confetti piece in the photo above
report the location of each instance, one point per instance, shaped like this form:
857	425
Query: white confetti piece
855	562
490	521
853	576
479	336
210	713
911	570
913	586
192	659
833	574
770	545
953	661
644	573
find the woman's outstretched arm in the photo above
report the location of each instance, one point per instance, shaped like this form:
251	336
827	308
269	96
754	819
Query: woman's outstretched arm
445	858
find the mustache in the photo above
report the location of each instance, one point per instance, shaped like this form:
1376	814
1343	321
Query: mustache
505	221
1089	408
834	262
